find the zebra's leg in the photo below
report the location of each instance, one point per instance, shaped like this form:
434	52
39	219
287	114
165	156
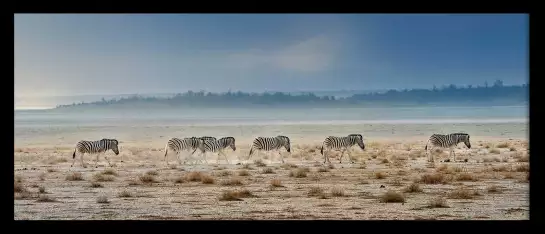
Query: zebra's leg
281	156
224	155
342	153
108	160
96	161
349	157
454	154
166	157
429	154
81	159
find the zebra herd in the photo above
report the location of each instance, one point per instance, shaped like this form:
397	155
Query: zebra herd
207	144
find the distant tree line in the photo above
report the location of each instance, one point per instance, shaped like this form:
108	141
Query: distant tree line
447	94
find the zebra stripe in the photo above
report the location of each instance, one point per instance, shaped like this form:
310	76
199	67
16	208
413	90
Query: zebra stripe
334	142
177	145
217	146
95	147
269	144
208	138
447	141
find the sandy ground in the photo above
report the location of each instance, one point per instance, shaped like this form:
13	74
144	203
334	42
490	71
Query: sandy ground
389	180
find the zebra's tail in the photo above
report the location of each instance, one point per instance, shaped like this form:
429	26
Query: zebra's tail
426	148
74	154
251	151
166	150
322	150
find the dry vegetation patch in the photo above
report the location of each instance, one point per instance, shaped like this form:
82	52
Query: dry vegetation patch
124	193
276	183
435	178
337	192
463	193
147	179
95	184
438	202
299	173
102	200
392	197
74	176
413	188
259	163
380	175
466	177
100	177
231	182
235	195
109	171
45	198
267	170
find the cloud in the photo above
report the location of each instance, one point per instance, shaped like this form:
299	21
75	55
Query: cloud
315	54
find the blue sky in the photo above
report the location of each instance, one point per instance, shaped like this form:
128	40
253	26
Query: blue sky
82	54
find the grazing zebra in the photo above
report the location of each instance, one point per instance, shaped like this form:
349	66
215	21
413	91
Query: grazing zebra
333	142
177	145
269	144
447	141
217	146
95	147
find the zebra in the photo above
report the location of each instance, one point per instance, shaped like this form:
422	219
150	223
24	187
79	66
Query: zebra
95	147
447	141
334	142
269	144
217	146
177	145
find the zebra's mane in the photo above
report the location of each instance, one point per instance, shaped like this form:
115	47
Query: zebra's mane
106	139
284	137
356	135
460	134
228	138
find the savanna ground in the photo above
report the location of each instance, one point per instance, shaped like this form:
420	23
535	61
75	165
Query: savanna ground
391	179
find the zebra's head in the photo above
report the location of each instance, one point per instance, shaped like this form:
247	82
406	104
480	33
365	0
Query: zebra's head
285	142
229	142
112	144
358	139
464	137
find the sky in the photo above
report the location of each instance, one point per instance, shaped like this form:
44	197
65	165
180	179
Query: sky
86	54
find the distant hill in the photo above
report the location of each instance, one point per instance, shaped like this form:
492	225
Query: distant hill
497	94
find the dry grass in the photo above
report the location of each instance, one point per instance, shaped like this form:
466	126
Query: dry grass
243	173
413	188
392	197
524	158
206	179
102	200
503	168
435	178
247	166
276	183
152	173
299	173
147	178
493	189
380	175
495	151
315	192
323	169
466	177
267	170
438	202
462	193
95	184
109	171
74	176
124	193
442	168
223	173
396	182
235	195
384	160
259	163
512	149
18	187
41	189
231	182
522	168
503	145
193	176
50	170
45	198
100	177
337	192
41	176
509	176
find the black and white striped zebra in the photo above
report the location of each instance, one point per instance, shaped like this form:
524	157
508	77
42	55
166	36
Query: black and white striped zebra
95	147
217	146
447	141
334	142
177	145
269	144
